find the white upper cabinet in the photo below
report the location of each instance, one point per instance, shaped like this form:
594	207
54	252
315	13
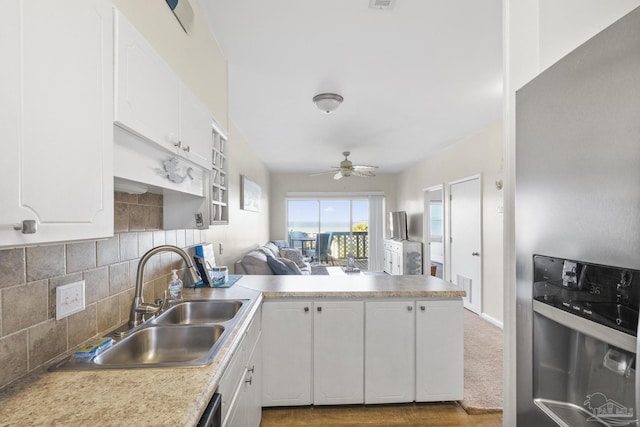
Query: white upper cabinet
147	90
152	101
196	131
56	104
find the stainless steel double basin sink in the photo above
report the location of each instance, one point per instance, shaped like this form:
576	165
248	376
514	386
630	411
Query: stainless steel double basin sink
187	334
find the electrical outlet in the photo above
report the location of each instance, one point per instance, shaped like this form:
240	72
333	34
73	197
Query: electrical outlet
69	299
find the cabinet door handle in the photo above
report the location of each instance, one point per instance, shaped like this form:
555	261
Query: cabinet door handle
410	308
423	308
475	253
251	369
306	309
319	309
28	226
187	148
249	380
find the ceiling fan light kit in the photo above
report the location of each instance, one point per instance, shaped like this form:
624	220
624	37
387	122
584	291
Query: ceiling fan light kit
328	102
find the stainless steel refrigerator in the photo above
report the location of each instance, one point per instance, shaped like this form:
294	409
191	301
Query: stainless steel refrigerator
578	234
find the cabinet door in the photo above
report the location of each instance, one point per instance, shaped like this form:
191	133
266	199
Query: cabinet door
338	356
286	351
147	89
398	268
253	386
389	352
439	350
56	166
196	131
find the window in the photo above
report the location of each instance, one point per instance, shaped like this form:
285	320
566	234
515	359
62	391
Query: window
347	220
435	216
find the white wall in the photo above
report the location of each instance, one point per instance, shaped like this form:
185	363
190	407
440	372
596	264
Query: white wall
281	183
476	154
536	34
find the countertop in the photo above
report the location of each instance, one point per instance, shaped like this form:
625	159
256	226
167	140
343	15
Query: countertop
177	396
352	286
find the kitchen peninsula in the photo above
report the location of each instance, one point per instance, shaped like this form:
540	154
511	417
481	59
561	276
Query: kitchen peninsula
178	396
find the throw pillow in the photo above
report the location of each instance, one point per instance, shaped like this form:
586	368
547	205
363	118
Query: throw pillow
255	262
272	248
292	266
294	255
278	267
280	243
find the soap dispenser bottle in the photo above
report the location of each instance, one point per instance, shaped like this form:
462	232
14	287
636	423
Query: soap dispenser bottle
175	288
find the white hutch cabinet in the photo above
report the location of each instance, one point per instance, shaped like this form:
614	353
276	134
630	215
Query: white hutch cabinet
402	257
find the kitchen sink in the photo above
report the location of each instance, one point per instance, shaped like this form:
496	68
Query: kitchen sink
158	345
198	312
187	334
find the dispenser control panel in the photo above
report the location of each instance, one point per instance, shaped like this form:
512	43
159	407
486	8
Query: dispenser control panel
604	294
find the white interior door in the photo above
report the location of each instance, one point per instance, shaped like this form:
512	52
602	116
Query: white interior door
466	240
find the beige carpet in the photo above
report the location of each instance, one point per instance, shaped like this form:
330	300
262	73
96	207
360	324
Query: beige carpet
482	365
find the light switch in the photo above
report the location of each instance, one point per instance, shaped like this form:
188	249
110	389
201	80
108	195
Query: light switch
69	299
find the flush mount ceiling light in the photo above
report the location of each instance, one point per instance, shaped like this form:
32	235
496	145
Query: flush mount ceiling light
327	102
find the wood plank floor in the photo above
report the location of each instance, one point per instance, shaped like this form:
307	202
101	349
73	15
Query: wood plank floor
419	414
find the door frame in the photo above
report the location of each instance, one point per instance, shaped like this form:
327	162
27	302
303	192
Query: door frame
447	247
426	228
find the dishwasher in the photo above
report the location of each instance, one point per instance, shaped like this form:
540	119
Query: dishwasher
212	416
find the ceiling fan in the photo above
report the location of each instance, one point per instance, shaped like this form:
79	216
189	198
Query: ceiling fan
347	168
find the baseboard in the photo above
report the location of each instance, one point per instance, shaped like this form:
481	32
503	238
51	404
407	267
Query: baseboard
492	320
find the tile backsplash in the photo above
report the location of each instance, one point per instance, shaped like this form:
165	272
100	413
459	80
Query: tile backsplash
30	335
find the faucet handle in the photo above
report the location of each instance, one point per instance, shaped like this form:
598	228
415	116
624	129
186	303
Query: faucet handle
162	302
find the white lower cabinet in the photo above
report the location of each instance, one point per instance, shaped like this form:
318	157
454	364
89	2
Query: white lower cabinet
338	348
313	346
439	350
240	386
389	352
330	352
286	352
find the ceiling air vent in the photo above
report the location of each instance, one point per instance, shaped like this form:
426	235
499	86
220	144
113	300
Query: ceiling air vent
381	4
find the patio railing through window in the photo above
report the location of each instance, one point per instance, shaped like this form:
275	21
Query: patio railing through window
344	242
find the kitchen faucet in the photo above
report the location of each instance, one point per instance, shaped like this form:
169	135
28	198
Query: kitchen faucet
138	306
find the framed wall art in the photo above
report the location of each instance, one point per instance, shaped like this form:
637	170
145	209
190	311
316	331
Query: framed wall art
251	195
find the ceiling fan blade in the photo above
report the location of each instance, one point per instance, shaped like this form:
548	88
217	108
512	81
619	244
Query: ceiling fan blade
322	173
362	168
362	173
337	175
